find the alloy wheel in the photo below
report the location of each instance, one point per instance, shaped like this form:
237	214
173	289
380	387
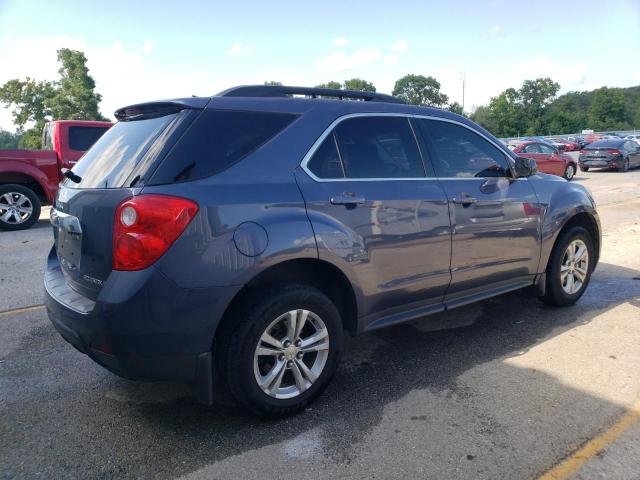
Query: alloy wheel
15	208
291	354
574	267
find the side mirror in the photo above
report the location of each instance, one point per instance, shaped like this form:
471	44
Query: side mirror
525	167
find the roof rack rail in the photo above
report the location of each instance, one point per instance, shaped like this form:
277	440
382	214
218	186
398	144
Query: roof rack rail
313	92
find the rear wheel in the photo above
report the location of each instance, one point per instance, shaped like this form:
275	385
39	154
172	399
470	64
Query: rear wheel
570	267
570	171
625	165
19	207
284	351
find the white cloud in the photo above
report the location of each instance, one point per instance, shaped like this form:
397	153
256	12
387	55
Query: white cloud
496	30
339	61
341	42
123	73
566	74
390	60
240	49
400	46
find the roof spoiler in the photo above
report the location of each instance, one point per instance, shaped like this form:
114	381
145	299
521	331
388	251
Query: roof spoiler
161	108
280	91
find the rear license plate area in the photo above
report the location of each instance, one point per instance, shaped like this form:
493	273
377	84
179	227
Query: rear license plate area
68	239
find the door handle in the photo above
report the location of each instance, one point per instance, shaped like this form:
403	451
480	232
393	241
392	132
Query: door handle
347	198
464	199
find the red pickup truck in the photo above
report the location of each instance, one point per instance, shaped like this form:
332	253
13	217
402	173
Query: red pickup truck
30	178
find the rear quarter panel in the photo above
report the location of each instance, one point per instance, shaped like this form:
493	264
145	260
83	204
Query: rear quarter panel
39	165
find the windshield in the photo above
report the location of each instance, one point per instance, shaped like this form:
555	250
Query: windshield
114	156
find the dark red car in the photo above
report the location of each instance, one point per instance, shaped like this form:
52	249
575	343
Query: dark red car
548	158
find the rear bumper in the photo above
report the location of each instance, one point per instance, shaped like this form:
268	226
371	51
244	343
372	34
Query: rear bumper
608	163
141	326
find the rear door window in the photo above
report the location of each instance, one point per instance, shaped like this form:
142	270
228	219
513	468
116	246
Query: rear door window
379	147
82	138
216	140
325	162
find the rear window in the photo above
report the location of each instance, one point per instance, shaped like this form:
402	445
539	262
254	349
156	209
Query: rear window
216	140
605	144
82	138
114	156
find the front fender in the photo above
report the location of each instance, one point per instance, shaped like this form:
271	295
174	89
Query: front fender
562	201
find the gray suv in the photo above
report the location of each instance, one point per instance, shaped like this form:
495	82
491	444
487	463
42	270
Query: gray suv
229	242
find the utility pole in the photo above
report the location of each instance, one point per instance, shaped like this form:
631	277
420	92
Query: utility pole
463	85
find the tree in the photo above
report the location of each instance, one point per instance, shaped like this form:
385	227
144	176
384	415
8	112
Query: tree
420	90
332	84
359	84
72	97
535	96
75	97
273	82
609	110
455	107
9	141
507	114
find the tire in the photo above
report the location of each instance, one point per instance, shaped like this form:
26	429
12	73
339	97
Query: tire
558	291
584	169
243	369
14	202
625	165
569	172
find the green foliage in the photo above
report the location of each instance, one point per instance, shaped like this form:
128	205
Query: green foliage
71	97
331	84
535	110
420	90
9	141
455	107
359	84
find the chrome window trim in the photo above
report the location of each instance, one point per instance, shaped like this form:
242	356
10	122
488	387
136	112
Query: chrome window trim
409	116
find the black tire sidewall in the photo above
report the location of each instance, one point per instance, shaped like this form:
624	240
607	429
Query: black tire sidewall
555	293
35	202
243	341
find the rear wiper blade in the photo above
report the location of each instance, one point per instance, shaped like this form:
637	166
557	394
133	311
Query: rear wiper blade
71	176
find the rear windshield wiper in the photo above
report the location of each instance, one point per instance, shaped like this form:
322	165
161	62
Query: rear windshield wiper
71	176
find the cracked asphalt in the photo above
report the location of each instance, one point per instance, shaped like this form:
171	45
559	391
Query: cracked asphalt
512	391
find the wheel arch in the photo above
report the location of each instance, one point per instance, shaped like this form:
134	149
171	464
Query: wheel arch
18	178
583	219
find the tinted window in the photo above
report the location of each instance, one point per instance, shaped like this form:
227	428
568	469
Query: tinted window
218	139
378	147
114	156
532	148
82	138
459	152
325	162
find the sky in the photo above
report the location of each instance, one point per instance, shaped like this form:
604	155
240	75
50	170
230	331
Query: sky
142	50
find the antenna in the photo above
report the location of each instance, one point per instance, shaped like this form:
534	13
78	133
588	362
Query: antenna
464	83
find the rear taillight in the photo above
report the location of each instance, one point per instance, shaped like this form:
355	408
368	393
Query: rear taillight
615	153
146	226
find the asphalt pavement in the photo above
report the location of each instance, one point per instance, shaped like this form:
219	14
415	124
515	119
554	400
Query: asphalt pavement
517	389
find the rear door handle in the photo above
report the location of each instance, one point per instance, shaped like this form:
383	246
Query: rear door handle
464	199
347	198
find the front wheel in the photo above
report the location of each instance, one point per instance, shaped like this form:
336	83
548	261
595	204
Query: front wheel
19	207
285	350
584	169
570	267
570	171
